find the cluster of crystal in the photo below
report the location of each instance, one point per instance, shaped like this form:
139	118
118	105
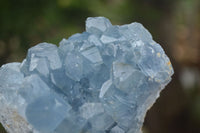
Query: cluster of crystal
100	81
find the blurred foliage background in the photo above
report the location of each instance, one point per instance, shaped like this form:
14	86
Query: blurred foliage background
175	24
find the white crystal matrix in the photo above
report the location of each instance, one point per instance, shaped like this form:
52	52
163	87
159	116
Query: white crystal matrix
100	81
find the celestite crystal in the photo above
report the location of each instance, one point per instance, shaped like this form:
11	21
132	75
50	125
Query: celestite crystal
100	81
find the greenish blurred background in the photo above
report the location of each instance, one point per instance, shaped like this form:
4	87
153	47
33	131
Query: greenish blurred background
175	24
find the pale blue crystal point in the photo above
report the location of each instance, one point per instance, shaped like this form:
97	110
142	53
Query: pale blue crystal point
100	81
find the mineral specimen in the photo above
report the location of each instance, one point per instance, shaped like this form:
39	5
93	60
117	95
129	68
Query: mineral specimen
100	81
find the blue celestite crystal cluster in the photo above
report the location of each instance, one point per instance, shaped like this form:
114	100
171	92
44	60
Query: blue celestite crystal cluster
100	81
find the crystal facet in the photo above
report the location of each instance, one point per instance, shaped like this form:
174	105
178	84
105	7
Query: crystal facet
100	81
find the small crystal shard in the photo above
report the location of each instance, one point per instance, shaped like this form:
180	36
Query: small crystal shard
100	81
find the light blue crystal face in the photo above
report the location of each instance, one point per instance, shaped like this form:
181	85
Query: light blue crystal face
100	81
